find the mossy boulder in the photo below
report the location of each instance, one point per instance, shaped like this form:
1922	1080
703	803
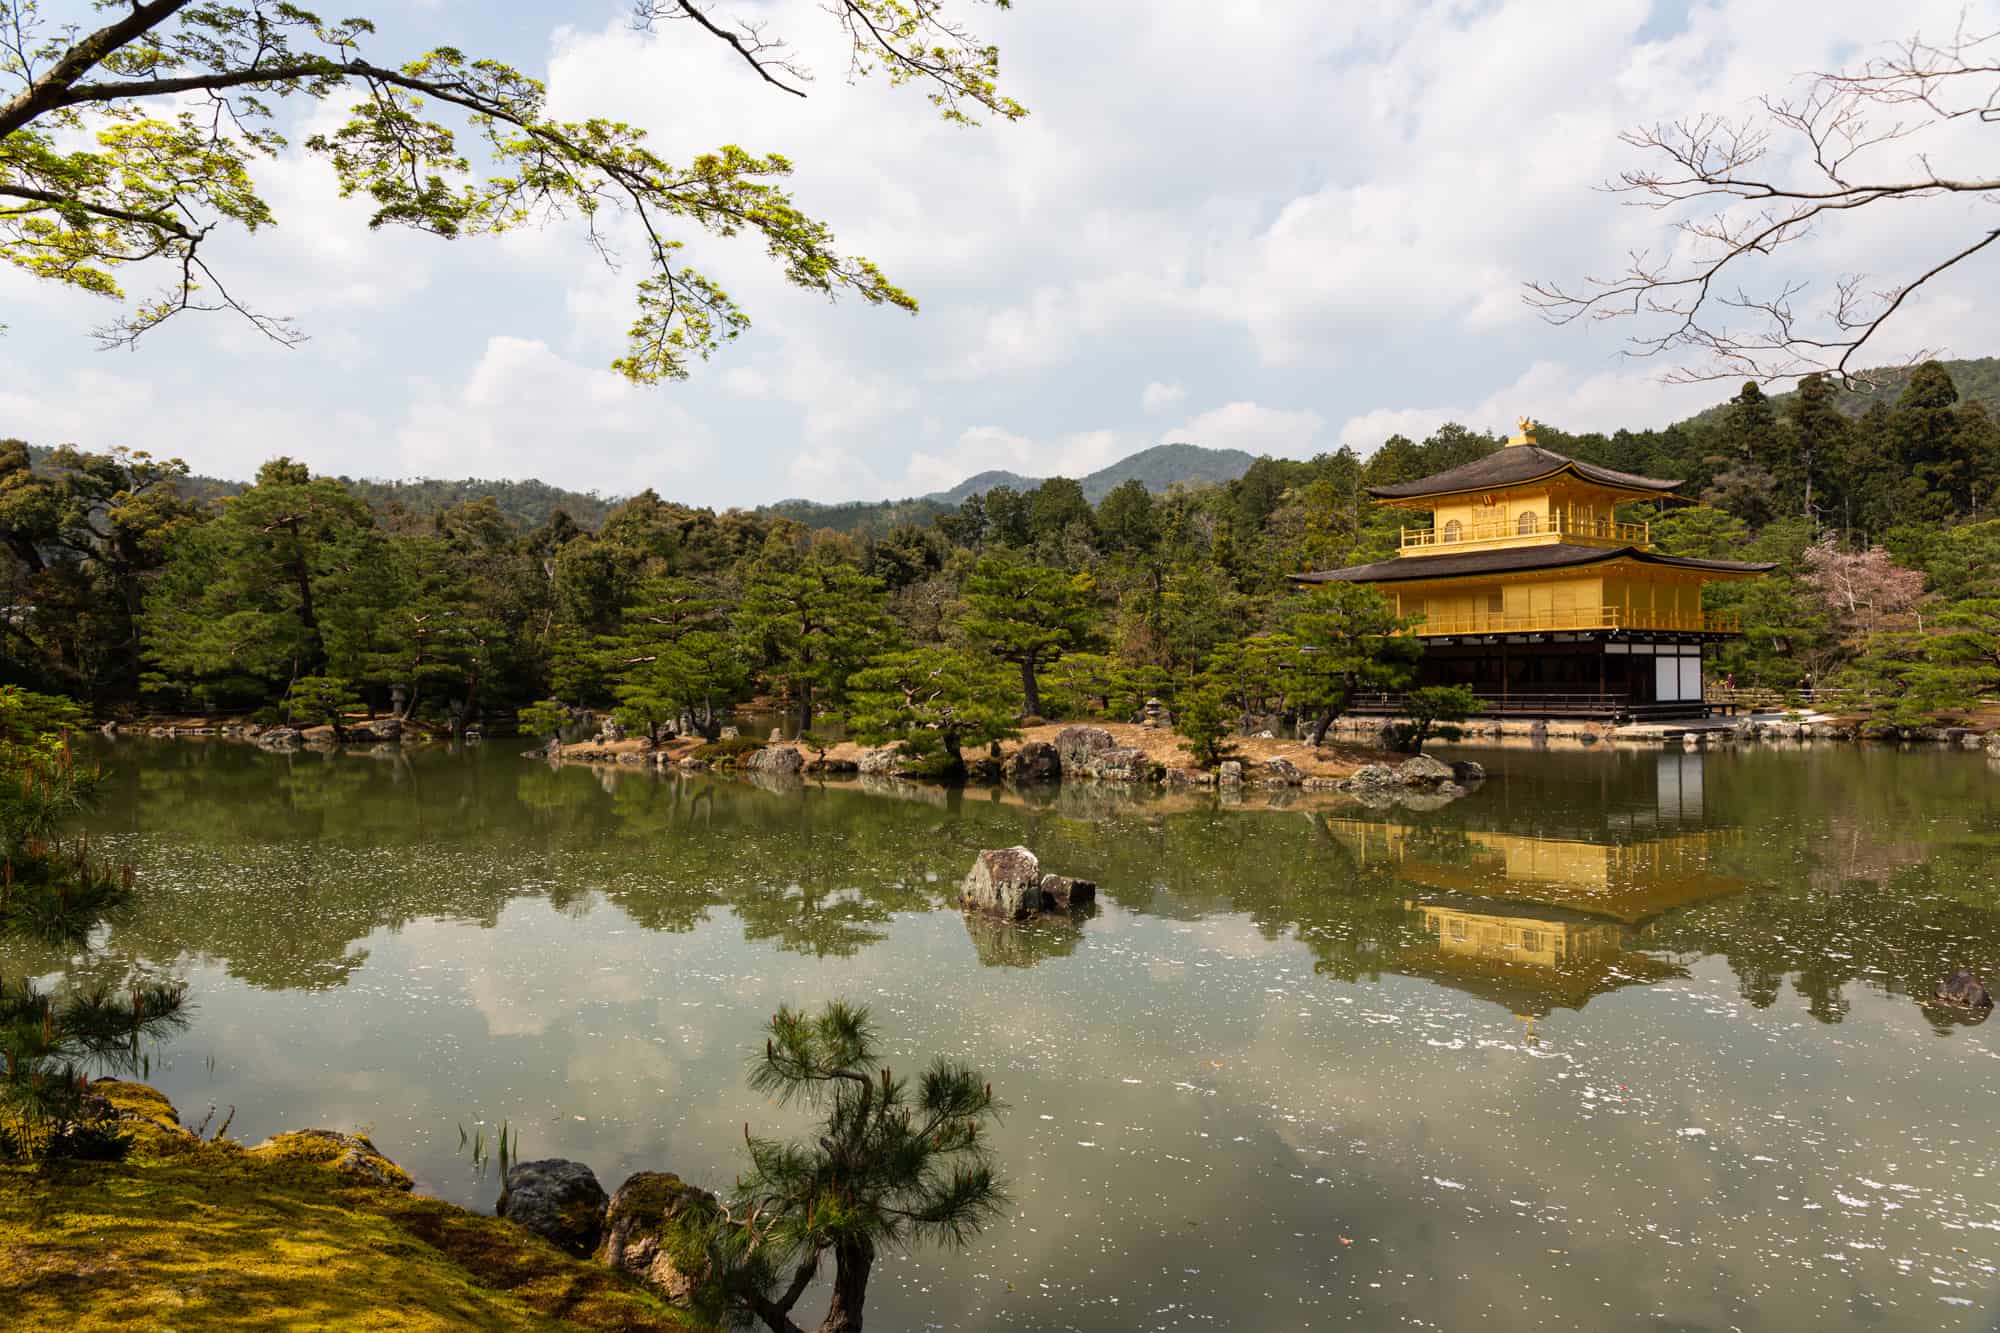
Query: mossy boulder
657	1229
143	1115
557	1199
349	1153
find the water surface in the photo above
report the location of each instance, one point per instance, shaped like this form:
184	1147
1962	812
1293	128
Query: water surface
1625	1040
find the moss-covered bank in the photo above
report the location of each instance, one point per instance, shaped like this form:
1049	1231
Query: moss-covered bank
308	1231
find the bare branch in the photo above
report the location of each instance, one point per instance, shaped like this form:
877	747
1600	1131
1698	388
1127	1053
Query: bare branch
748	41
1757	207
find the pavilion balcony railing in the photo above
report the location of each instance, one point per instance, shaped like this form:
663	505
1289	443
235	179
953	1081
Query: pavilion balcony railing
1457	536
1588	617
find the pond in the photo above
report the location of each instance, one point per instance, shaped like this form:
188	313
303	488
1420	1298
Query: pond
1624	1040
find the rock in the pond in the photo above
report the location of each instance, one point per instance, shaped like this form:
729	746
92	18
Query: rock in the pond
1423	771
657	1230
887	759
1119	764
279	738
1370	777
778	759
558	1200
1008	884
1963	990
1034	761
1060	893
1005	883
1467	773
1230	773
383	729
1282	772
1076	746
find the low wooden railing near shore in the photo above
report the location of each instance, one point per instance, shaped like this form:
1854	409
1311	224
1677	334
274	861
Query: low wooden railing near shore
1726	699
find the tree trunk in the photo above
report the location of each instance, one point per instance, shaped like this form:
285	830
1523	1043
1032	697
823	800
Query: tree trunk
1319	728
850	1287
1031	693
805	707
315	647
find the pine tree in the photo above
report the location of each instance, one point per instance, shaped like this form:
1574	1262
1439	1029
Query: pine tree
813	621
891	1166
1203	719
1818	435
1347	641
1028	615
933	702
240	604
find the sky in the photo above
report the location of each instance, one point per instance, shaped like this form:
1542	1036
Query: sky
1278	226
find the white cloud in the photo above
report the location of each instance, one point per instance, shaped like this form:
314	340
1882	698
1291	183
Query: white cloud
746	382
1251	428
522	411
1335	211
1549	392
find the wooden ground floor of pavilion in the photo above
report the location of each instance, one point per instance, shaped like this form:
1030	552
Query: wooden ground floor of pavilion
1606	675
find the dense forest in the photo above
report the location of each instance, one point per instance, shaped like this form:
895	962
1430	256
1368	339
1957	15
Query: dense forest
127	588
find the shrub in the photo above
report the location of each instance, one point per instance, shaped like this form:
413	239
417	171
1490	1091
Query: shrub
544	718
1204	721
1430	707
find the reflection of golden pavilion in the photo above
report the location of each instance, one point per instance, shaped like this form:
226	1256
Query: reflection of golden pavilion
1628	882
1538	924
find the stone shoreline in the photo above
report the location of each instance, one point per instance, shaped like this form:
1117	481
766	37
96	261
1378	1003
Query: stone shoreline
1119	755
1804	727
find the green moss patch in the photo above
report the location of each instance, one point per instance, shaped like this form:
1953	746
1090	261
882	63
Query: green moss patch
192	1235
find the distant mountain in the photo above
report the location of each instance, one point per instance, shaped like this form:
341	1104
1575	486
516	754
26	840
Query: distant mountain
1156	468
982	483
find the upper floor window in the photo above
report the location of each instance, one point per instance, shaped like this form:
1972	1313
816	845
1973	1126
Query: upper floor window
1528	524
1454	530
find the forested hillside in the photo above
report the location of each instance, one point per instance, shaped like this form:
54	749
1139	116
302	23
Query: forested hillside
300	592
1977	381
530	503
1156	469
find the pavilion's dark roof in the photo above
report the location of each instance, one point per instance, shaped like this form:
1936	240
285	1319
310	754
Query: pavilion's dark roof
1515	560
1510	467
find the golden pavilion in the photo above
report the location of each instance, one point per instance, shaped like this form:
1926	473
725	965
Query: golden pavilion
1530	591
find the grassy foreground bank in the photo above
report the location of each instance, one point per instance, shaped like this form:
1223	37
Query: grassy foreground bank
186	1234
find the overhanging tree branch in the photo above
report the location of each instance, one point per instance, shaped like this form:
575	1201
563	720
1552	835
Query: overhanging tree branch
1697	291
115	181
